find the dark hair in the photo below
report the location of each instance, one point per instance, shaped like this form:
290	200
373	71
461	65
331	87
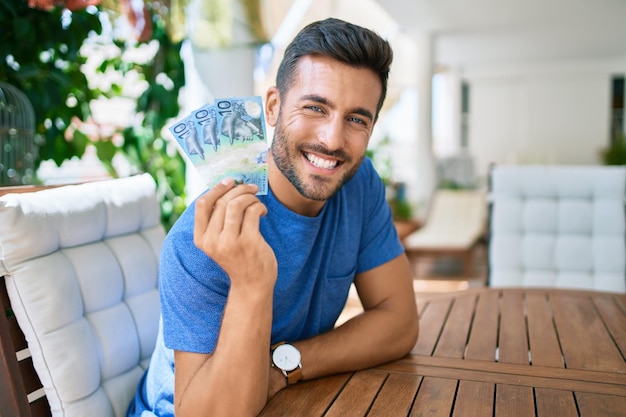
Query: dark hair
348	43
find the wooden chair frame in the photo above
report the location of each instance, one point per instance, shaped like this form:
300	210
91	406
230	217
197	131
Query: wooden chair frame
22	391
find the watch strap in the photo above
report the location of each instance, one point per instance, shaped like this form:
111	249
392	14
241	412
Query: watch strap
294	376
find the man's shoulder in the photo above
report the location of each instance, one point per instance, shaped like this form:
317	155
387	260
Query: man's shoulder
179	239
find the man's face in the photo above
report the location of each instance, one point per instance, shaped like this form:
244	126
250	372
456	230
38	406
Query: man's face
323	125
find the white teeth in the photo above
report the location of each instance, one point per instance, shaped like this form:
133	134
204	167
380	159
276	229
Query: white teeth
321	163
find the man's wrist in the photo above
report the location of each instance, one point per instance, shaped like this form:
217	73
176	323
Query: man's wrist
278	376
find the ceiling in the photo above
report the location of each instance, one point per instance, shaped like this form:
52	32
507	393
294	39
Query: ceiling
487	32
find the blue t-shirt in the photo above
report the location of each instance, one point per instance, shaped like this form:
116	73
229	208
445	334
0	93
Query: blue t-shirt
318	258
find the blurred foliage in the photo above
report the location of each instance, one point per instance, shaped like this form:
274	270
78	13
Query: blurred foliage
41	51
380	155
401	209
615	153
43	57
143	144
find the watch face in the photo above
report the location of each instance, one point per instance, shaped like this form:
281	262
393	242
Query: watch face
286	357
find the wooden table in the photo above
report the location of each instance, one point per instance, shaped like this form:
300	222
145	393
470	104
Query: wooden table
489	352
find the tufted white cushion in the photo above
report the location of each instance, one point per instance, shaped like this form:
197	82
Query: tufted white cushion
558	226
80	264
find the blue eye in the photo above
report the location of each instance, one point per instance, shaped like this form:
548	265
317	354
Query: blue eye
356	120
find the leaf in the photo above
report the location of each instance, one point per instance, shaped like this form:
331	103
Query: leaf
22	32
108	165
106	150
80	142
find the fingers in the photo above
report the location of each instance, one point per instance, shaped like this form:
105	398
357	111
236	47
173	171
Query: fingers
253	216
220	211
232	214
205	203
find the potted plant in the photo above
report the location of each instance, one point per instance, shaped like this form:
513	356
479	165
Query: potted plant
615	153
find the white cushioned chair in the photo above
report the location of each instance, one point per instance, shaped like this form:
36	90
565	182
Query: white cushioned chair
80	266
558	226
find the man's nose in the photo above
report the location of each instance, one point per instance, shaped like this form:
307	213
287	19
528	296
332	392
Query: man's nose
331	134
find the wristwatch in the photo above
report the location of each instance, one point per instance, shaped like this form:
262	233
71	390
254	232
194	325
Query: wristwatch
286	357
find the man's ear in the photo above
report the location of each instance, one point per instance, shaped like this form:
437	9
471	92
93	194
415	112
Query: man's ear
272	106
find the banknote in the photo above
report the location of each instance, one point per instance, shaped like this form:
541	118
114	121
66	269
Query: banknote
226	138
186	135
205	122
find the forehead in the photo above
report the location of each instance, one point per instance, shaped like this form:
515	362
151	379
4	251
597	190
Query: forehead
336	81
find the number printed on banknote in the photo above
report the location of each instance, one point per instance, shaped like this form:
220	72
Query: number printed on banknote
226	139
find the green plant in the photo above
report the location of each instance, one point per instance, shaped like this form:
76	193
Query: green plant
615	153
401	209
44	58
379	154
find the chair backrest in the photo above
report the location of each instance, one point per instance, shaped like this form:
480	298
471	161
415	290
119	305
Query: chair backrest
80	267
456	219
458	211
558	226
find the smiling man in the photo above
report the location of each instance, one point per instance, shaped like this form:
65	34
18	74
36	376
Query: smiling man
251	286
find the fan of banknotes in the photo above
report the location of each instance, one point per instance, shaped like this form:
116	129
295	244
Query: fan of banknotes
226	138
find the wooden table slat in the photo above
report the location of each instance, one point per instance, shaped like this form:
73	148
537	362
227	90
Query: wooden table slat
513	343
474	399
544	345
553	402
514	401
510	373
614	316
435	398
483	339
455	332
431	322
598	405
306	398
621	302
396	396
358	394
584	339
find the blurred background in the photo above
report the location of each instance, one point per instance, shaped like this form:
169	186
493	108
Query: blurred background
89	87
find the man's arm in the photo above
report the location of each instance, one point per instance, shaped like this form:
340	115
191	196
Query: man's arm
233	381
385	331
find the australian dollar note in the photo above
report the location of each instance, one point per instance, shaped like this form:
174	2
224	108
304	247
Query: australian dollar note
226	138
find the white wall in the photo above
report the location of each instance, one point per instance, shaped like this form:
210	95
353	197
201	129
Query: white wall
539	115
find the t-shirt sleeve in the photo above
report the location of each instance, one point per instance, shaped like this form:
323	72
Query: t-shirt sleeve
193	291
379	239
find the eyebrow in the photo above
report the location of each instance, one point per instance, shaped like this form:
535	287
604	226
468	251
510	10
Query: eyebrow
322	100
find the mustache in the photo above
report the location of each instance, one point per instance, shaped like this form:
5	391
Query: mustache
321	150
